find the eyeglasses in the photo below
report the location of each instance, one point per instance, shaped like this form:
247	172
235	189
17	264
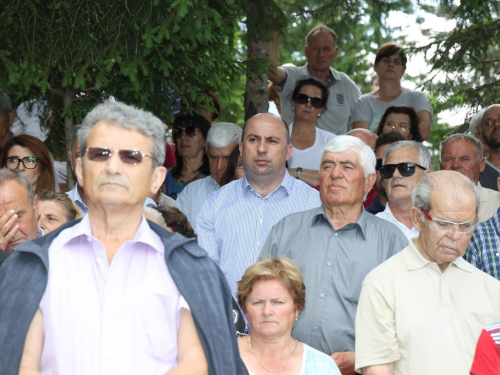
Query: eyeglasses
445	226
391	126
378	165
132	157
315	102
190	131
405	169
29	162
239	164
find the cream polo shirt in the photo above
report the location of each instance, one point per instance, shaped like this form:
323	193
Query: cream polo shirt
421	319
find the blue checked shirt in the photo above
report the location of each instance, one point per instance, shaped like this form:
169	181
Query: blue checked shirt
484	251
235	221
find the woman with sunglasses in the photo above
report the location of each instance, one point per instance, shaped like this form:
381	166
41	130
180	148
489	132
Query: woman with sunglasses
190	134
308	102
400	119
390	66
29	155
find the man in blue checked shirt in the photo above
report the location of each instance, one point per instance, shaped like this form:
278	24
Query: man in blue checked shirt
235	220
484	246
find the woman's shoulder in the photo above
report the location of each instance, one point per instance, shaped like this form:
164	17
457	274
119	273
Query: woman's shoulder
318	363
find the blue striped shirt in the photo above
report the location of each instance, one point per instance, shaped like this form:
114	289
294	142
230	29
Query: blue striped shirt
235	221
484	251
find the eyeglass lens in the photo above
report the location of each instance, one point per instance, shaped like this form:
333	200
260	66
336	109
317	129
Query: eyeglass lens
126	156
29	162
405	169
315	102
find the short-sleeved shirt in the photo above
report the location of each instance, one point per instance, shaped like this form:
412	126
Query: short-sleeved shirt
310	158
421	319
333	263
487	357
371	110
109	318
343	95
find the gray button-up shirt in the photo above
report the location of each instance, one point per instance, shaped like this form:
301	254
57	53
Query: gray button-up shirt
333	264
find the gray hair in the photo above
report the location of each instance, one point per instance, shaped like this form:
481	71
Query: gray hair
476	120
320	28
466	137
223	134
7	175
452	182
130	118
5	103
343	143
424	155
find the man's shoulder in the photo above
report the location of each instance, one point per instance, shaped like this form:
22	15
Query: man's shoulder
386	272
300	218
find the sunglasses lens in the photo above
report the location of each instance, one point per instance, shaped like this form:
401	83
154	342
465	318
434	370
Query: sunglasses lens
378	165
317	102
302	99
98	154
406	169
191	131
130	156
386	171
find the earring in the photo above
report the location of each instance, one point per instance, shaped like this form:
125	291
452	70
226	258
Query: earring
293	108
319	114
296	318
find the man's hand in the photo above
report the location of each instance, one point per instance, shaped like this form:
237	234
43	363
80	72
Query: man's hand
8	228
345	362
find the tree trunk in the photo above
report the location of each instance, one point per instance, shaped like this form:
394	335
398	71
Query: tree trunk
68	132
256	94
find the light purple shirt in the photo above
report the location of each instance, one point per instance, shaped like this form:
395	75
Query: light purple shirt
100	318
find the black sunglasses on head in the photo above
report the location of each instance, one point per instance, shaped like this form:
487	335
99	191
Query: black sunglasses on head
405	169
315	102
190	131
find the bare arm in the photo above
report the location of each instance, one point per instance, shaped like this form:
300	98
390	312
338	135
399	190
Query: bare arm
309	176
385	369
360	124
33	346
275	74
190	357
345	362
424	125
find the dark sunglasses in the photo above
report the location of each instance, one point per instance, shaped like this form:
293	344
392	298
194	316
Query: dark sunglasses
405	169
378	164
190	131
315	102
132	157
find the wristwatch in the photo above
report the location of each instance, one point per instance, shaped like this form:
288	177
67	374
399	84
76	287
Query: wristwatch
298	172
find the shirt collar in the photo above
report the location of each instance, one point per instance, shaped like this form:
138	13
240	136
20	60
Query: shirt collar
415	260
143	234
334	75
286	184
362	223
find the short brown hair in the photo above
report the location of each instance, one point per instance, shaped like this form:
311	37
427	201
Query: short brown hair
317	29
389	49
281	269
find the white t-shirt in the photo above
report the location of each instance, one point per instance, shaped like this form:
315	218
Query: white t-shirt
310	158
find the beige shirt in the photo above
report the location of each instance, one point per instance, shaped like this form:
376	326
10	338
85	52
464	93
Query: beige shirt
490	201
424	320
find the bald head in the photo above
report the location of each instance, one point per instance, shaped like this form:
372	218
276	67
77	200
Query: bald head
267	117
367	136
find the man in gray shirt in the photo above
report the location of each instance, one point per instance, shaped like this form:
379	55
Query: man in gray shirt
320	50
335	246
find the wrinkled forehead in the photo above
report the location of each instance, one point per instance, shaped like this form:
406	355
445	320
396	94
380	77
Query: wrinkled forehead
459	148
13	197
341	157
404	154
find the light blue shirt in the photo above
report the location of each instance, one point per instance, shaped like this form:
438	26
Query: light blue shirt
235	220
191	198
74	195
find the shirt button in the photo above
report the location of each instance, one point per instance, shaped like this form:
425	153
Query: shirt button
315	328
322	295
99	260
335	234
89	239
329	263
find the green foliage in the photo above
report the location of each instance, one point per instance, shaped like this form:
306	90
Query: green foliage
154	54
464	61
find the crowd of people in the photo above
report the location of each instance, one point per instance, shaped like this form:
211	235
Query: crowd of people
317	242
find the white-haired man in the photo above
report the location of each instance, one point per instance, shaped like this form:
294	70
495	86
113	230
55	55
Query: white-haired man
222	139
404	164
335	246
422	311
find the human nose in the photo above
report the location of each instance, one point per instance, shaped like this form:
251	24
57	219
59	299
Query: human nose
267	309
221	164
20	165
261	147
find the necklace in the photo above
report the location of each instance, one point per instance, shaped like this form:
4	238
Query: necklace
264	367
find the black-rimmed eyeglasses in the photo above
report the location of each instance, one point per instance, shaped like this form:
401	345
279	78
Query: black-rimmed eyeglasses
29	162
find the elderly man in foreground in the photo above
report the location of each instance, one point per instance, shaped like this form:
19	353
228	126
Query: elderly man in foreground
123	296
422	311
335	246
